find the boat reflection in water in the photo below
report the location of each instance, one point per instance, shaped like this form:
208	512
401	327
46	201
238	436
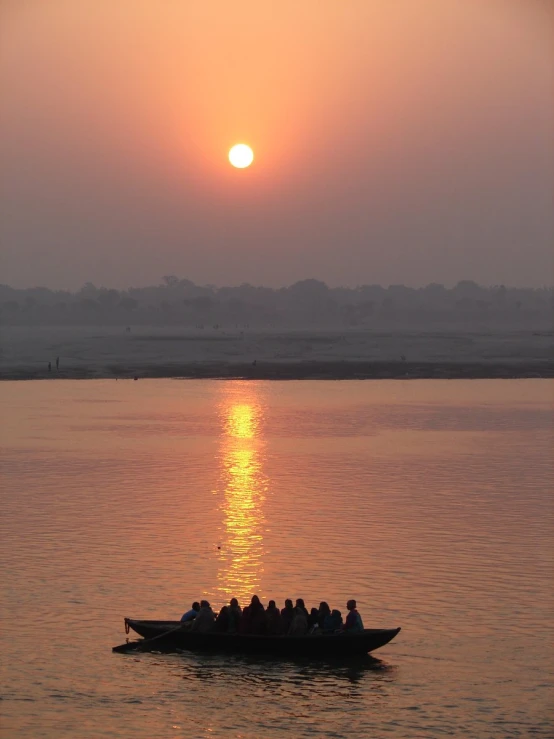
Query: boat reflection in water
244	487
326	681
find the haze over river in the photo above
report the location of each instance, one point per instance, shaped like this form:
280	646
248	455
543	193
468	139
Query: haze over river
428	501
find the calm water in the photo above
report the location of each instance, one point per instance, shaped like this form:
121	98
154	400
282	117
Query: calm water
430	502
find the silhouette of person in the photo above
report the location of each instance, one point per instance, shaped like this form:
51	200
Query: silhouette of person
49	366
57	363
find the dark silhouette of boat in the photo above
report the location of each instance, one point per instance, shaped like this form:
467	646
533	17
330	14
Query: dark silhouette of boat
170	636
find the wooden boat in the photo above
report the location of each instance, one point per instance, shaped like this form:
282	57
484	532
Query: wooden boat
172	636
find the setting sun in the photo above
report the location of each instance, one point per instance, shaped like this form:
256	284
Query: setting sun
241	156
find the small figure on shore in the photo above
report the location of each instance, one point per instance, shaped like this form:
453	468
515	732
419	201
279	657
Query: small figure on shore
192	614
49	366
353	623
57	363
254	363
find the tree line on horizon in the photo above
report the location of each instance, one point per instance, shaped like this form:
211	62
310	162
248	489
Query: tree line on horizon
308	302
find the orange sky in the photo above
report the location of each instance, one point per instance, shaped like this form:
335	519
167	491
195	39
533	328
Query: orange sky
395	141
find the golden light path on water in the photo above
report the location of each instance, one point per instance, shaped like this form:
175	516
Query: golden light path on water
243	490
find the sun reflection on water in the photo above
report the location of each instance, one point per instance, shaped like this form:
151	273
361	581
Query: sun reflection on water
244	486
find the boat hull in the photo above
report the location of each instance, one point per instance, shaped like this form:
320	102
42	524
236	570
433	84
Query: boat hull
313	646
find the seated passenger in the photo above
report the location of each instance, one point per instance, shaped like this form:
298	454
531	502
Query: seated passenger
300	604
235	614
287	614
299	625
353	623
274	620
333	622
254	618
222	621
205	620
323	612
192	614
312	619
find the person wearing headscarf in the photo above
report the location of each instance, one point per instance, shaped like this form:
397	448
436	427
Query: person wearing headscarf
235	615
299	625
204	622
287	614
333	621
274	620
254	618
322	613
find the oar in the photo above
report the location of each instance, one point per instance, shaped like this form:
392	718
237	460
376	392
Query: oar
144	645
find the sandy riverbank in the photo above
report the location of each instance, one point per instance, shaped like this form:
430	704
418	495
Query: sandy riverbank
99	352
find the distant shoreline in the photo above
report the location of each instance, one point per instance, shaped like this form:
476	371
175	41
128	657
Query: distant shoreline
104	353
307	370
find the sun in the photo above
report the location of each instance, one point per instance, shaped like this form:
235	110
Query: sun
241	156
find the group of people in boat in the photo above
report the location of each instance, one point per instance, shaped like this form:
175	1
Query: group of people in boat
255	619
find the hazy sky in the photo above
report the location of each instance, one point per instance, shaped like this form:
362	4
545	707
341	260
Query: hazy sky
395	141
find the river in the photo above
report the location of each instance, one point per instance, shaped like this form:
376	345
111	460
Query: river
428	501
